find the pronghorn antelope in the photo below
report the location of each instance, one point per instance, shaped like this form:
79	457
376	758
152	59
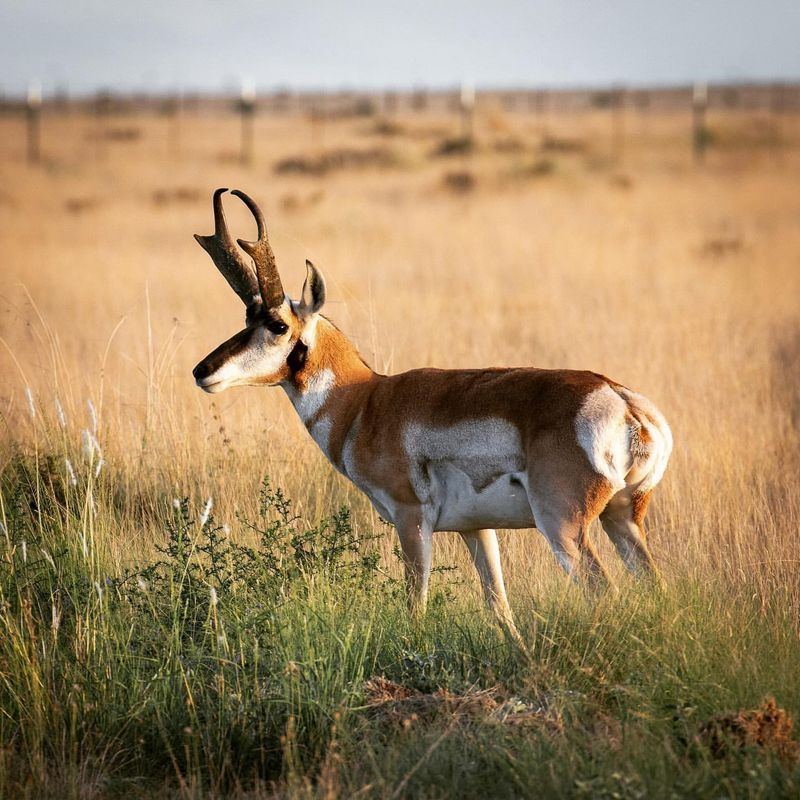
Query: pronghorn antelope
447	450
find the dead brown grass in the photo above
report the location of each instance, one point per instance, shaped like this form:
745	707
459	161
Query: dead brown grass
113	301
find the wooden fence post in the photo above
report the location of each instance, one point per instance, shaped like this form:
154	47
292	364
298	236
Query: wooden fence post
34	122
540	104
319	110
777	97
172	111
466	105
247	111
700	137
618	97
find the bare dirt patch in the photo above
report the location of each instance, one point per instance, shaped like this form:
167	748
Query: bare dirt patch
393	703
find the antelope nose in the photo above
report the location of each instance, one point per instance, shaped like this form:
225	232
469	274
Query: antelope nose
200	371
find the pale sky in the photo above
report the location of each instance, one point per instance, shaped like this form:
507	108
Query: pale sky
215	44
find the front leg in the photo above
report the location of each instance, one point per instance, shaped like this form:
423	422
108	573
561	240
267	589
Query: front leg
416	542
482	545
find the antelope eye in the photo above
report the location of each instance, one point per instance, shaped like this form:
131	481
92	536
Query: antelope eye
277	327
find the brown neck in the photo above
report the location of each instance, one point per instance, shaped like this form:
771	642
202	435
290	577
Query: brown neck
324	371
332	350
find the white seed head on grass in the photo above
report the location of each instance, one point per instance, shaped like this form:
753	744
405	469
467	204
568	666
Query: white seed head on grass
92	415
48	557
60	416
56	617
214	598
71	472
91	447
31	404
206	512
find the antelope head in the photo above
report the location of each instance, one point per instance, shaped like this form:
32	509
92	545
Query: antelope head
278	331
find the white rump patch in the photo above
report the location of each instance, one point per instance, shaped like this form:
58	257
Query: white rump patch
656	425
604	434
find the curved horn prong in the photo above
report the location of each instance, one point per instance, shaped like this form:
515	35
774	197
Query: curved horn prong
269	281
229	261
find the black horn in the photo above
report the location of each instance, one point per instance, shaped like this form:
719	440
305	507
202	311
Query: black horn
229	261
269	281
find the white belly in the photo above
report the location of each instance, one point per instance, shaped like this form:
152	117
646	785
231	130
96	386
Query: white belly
470	475
456	504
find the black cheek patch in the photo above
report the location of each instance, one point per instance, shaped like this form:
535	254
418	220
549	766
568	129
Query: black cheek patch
297	358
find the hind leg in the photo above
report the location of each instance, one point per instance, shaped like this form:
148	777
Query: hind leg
622	519
568	537
596	574
564	504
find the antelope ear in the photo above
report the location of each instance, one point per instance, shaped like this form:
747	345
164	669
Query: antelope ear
313	297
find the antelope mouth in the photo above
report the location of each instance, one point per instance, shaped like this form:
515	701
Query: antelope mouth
208	377
211	385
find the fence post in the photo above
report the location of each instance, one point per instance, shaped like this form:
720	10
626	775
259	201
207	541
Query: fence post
97	126
540	104
172	111
319	109
777	104
34	113
699	129
466	105
247	109
618	123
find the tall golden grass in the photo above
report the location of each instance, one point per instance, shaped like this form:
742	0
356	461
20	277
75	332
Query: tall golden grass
682	282
541	246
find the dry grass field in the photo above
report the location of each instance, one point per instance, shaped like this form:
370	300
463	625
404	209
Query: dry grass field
536	248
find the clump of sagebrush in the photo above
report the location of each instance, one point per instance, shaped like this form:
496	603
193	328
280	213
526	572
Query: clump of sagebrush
201	565
213	660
